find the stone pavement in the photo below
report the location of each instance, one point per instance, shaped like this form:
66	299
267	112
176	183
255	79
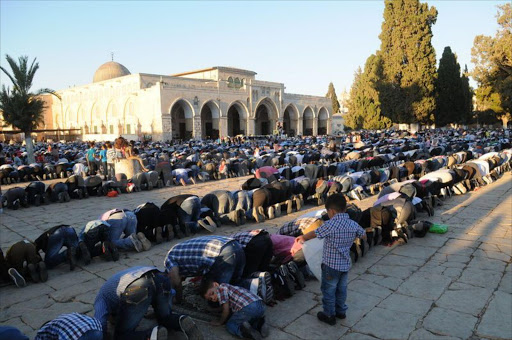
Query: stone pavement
452	286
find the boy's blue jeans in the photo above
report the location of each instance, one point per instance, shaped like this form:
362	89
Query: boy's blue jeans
334	291
252	313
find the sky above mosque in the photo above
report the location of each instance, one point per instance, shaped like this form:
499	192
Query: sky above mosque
304	45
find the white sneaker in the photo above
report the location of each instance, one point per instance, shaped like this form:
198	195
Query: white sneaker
136	243
271	213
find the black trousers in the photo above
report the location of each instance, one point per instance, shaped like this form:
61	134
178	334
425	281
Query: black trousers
258	254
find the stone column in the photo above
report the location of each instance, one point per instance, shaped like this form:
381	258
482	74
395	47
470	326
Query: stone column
251	126
223	126
329	126
300	126
196	132
315	126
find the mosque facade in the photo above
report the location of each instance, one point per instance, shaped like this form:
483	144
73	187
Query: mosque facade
207	103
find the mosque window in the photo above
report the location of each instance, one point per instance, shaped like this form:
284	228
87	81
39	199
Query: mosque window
111	129
95	129
128	129
242	82
230	82
237	83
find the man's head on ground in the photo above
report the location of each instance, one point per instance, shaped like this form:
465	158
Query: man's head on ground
335	204
208	290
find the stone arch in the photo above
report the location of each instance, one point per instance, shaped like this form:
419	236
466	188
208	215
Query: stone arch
323	121
128	123
95	118
237	118
291	120
265	115
182	115
210	115
308	116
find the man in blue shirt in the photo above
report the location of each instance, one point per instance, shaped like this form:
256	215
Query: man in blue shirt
339	233
126	297
72	326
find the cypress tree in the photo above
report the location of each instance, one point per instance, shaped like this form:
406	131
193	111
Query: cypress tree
450	98
331	93
409	61
365	106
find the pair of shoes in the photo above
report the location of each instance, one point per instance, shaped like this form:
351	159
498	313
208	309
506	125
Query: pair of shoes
208	224
146	244
19	281
271	213
158	235
189	328
43	273
136	243
265	288
258	214
248	332
300	282
277	210
84	253
170	232
159	333
330	320
71	255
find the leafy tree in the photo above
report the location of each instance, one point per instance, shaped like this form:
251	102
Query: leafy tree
21	108
450	97
331	93
364	104
409	61
492	57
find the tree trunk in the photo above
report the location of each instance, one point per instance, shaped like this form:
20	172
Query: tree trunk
30	148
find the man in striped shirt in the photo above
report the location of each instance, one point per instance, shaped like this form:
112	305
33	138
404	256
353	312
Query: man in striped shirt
72	326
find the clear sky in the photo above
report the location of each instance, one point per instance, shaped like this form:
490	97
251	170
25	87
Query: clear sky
304	45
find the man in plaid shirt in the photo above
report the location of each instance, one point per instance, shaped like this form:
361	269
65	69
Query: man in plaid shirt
217	257
339	233
72	326
248	318
298	226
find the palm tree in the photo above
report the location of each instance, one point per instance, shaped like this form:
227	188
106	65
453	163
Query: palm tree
21	108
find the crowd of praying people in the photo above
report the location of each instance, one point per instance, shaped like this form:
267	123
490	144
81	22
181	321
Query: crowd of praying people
240	274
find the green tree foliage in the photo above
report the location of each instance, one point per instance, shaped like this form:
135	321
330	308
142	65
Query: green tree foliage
409	61
331	93
21	108
492	57
364	104
450	97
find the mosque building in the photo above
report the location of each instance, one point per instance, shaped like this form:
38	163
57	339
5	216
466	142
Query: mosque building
207	103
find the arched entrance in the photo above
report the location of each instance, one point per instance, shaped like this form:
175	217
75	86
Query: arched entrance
322	121
290	121
181	120
236	120
265	118
210	121
307	123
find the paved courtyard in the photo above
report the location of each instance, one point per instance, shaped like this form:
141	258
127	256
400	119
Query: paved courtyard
452	286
